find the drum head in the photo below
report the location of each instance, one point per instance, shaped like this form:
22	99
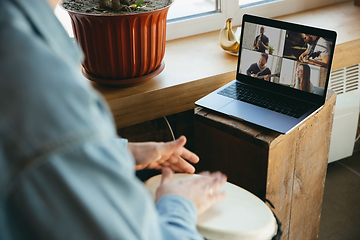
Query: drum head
241	215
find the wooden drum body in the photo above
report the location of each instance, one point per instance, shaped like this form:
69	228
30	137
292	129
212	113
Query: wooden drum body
241	215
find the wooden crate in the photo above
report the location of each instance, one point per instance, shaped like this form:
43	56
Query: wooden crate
287	169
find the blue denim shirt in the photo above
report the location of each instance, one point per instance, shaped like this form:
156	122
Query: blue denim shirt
64	172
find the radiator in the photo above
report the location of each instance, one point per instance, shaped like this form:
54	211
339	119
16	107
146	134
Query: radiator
345	82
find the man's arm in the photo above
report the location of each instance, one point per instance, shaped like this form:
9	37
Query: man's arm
255	42
266	46
324	62
323	47
266	74
303	55
89	191
70	177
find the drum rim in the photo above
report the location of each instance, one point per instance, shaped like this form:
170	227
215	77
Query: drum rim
225	233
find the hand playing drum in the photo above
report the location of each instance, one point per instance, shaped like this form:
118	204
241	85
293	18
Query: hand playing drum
203	191
241	215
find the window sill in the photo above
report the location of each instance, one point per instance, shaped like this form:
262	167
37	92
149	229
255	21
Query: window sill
195	66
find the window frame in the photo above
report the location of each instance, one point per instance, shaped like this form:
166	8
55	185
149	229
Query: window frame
203	23
230	9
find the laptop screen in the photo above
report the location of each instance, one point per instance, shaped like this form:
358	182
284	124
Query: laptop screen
290	55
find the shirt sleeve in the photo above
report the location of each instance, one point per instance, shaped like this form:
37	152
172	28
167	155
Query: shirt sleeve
267	71
266	39
89	191
251	69
323	46
64	172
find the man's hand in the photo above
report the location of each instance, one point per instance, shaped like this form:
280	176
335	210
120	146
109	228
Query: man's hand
266	78
204	191
156	155
302	57
323	62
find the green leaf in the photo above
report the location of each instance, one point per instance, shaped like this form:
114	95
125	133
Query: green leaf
139	3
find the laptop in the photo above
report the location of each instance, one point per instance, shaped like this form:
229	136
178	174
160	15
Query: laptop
282	75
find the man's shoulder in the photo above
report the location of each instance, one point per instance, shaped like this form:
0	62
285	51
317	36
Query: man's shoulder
323	41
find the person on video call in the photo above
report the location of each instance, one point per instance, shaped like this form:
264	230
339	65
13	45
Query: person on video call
261	42
303	78
259	69
65	174
317	52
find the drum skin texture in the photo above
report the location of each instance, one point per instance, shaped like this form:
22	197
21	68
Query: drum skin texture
240	216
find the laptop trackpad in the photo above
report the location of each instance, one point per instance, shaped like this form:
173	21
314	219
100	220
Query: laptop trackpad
246	111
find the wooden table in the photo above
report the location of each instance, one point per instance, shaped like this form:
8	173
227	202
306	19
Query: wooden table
287	169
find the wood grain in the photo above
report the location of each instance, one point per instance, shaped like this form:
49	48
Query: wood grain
150	105
346	54
287	169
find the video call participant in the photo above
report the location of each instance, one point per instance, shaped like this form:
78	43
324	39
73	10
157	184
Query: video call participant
303	78
260	69
261	42
317	52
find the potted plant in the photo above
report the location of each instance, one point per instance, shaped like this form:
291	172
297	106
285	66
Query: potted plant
271	49
123	40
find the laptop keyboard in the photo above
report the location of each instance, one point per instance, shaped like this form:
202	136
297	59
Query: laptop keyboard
265	99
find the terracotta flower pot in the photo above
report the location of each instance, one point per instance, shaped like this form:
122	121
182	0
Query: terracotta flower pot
122	50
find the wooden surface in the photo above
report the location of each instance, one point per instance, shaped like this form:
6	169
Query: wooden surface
341	17
289	170
346	54
195	66
149	105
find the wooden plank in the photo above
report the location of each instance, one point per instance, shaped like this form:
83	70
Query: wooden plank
346	54
280	180
298	164
147	106
244	163
312	150
255	134
293	165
